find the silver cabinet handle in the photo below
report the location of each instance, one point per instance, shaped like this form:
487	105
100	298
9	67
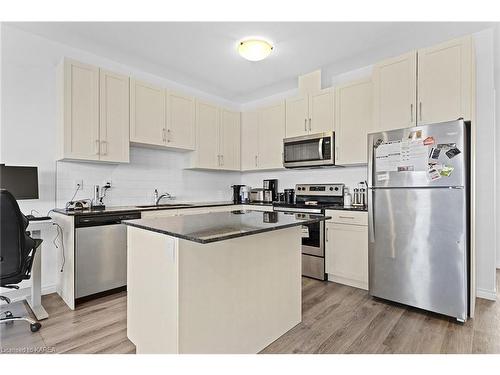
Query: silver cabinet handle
326	235
420	110
255	160
163	136
305	124
346	217
310	125
411	113
218	160
168	135
222	160
97	146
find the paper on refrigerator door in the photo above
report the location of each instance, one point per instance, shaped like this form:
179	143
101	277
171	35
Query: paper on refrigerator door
414	156
388	157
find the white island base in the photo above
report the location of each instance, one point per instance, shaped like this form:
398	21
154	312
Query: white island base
231	296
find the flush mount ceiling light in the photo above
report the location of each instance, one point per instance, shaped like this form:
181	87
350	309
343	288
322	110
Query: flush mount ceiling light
255	49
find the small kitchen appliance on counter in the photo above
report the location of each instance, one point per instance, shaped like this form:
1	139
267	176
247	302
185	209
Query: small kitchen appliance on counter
237	193
289	196
261	196
273	186
313	199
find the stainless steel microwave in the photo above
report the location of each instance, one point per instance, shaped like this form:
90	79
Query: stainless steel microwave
314	150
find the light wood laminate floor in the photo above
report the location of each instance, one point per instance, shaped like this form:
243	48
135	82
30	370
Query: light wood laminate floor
336	319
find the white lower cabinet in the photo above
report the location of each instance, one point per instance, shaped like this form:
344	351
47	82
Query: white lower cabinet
346	248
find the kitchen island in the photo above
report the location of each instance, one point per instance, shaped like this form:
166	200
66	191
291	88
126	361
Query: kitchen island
226	282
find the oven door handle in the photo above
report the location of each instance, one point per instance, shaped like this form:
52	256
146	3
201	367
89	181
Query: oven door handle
320	148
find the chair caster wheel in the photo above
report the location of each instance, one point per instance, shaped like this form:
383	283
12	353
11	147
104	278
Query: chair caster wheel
35	327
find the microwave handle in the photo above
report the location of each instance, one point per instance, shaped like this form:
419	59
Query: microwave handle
320	149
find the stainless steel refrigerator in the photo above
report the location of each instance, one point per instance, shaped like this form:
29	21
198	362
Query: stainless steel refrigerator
418	209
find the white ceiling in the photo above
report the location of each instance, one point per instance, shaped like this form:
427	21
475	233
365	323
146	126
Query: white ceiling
203	55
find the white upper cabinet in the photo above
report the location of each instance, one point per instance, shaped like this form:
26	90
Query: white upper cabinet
353	121
321	106
147	113
297	116
250	139
229	140
94	113
430	85
79	111
394	93
217	138
270	134
207	153
309	114
445	81
180	121
262	136
114	117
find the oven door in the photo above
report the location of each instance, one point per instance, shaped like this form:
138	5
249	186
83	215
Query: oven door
309	151
313	239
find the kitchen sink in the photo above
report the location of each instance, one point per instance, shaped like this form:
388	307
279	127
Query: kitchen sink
166	205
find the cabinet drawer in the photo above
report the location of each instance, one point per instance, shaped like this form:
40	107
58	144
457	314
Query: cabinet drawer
347	217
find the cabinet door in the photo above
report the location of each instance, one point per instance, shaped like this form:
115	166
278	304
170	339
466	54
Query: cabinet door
180	121
394	93
81	111
353	119
114	117
321	107
250	140
229	140
346	254
445	82
271	134
297	116
207	136
147	113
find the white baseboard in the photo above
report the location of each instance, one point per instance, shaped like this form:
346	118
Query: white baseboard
347	281
486	294
23	293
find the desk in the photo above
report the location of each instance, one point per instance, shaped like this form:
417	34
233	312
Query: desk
35	298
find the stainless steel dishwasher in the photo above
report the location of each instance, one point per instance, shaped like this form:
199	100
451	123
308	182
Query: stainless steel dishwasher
101	254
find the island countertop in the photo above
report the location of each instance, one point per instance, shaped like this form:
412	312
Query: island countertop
219	226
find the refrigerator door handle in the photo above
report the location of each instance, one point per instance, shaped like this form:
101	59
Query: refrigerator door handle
371	214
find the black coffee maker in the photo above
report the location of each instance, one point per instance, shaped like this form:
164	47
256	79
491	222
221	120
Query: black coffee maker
273	186
237	193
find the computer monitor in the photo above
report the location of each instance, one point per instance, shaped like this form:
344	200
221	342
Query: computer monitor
22	182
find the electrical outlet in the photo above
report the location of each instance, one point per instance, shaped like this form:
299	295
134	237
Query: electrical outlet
78	184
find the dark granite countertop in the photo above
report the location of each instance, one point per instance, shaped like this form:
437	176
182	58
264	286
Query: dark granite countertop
352	208
219	226
170	206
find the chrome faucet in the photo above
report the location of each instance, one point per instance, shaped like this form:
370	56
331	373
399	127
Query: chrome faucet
158	198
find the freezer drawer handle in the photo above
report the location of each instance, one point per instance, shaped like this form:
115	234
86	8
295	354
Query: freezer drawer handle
346	217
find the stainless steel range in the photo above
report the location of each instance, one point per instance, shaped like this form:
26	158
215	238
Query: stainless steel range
313	198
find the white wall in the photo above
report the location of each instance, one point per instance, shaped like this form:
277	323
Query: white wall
28	132
485	166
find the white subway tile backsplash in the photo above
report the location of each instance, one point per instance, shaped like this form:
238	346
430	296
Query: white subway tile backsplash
149	169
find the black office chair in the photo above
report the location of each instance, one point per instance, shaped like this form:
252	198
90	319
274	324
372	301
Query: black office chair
17	251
